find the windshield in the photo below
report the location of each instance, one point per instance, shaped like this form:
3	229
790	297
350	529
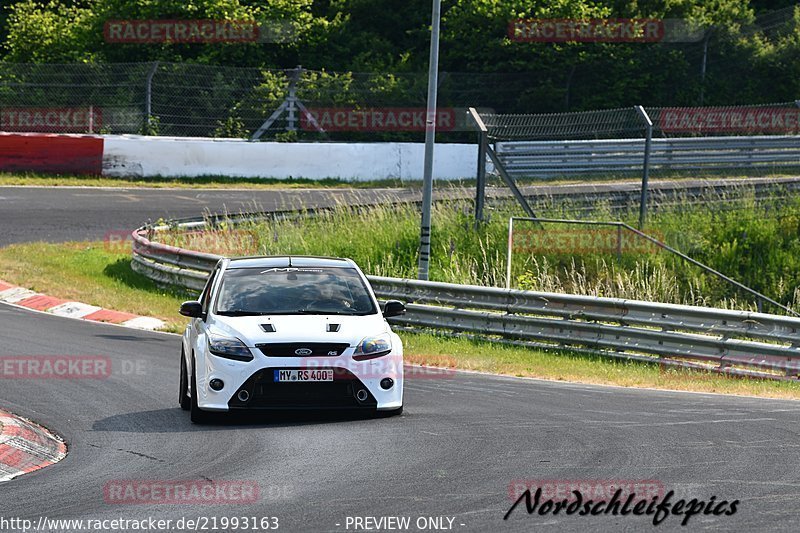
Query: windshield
285	291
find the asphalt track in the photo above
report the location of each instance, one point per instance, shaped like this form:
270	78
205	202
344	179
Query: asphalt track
463	440
57	214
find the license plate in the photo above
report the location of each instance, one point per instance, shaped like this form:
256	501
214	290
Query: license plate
282	376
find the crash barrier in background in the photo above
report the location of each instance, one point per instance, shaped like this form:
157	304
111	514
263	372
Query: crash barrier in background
55	154
141	156
549	159
724	341
136	156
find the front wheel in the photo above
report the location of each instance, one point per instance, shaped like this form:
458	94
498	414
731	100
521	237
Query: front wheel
183	389
197	415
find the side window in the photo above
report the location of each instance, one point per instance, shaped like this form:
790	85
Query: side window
205	298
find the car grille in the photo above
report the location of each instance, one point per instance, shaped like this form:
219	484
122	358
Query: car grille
303	349
337	394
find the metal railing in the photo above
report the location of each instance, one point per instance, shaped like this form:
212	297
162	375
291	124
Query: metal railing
547	159
724	341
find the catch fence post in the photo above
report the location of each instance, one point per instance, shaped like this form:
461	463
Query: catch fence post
646	164
480	186
148	97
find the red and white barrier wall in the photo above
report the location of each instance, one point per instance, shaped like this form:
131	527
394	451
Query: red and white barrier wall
51	153
138	156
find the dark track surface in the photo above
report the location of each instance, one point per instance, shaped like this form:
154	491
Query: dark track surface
57	214
461	442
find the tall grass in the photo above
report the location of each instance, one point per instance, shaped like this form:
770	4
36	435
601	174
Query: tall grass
754	241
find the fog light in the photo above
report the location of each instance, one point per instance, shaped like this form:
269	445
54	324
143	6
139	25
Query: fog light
216	384
387	383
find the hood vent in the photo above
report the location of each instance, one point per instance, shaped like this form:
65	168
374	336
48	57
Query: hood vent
268	328
334	328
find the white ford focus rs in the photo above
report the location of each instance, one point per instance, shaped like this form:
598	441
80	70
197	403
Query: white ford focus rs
289	333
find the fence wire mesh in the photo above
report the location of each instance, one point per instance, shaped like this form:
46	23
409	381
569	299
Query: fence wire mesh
605	124
184	99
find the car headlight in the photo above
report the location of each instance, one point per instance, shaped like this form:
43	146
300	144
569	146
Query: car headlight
229	347
374	346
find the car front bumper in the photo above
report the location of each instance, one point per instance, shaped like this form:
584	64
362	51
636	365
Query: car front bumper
351	380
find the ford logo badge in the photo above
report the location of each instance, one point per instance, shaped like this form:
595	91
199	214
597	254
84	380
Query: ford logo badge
302	351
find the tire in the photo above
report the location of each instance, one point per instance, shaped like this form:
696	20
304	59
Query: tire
197	415
183	389
391	412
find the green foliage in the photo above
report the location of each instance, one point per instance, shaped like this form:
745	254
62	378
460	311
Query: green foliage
67	30
753	242
232	127
151	126
747	63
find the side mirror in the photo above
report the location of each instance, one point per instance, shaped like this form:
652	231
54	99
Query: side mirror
393	308
192	309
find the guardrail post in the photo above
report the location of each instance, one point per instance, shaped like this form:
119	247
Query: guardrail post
480	187
646	165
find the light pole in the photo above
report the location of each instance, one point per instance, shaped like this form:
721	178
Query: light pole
430	134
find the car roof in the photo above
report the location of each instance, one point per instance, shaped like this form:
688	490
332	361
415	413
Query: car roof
283	261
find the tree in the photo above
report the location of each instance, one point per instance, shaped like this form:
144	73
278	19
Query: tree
72	31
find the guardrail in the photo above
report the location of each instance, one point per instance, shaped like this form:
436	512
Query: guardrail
724	341
624	156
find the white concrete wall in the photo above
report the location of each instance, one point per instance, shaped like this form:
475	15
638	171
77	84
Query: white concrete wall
130	155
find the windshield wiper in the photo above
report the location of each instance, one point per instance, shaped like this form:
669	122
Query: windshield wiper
242	312
322	312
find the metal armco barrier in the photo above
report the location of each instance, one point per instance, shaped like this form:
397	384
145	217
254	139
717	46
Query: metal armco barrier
733	342
621	156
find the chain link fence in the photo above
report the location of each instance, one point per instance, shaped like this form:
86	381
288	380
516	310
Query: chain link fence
781	118
182	99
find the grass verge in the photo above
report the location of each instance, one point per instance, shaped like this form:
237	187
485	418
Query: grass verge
91	273
226	182
205	182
